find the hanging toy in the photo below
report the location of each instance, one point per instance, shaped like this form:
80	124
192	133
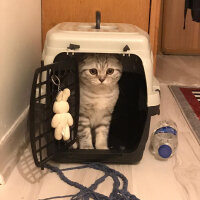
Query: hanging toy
62	120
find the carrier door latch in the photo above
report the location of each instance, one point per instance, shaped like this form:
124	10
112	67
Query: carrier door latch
126	48
73	46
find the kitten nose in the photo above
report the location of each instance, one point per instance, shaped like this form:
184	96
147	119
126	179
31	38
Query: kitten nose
102	79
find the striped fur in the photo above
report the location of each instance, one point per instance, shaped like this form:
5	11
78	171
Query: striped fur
98	95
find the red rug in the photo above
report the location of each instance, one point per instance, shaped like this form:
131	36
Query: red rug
192	95
188	100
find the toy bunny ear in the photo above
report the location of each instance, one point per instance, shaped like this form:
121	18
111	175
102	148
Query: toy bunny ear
66	94
59	96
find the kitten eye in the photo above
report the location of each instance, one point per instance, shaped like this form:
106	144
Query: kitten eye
93	71
110	71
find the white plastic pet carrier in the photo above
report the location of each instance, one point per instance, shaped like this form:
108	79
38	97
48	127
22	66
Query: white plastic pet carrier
64	44
125	39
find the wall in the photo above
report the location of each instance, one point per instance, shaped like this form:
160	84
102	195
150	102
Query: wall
20	53
20	44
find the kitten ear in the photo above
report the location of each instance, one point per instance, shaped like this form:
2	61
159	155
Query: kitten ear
118	57
81	59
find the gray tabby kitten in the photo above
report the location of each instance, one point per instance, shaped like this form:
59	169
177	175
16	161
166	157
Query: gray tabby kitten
99	75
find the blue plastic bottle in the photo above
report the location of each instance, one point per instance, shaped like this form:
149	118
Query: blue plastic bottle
164	140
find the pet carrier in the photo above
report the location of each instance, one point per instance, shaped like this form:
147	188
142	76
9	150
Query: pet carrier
65	44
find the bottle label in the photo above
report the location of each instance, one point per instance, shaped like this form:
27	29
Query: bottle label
166	129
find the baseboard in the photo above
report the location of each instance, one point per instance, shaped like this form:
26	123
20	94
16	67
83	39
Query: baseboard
12	145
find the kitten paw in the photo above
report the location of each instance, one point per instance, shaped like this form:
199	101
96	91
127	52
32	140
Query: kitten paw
103	147
86	147
75	146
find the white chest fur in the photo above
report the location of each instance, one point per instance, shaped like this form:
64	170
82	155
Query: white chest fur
97	106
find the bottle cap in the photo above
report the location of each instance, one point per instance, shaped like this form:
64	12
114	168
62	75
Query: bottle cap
165	151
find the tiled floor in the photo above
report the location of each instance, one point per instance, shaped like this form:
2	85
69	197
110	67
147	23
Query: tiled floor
175	179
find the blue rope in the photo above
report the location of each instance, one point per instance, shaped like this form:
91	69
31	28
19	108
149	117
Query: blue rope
89	193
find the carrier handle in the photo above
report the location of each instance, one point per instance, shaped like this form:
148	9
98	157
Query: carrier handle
98	19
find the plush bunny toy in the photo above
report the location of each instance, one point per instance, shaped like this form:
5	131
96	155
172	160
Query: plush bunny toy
62	119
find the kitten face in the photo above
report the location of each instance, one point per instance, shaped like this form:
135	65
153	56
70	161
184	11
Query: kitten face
100	70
